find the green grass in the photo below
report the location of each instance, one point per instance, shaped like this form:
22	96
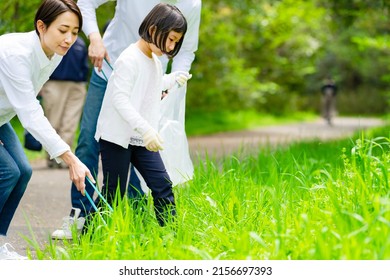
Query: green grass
201	123
308	200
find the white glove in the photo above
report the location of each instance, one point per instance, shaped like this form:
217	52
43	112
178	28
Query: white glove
178	78
152	140
182	78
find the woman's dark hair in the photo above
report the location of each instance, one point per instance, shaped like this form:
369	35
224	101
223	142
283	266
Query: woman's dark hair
165	18
51	9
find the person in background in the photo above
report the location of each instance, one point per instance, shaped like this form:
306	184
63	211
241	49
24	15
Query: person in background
103	53
64	94
26	62
329	92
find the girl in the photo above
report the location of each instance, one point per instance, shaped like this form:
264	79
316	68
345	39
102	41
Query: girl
128	121
26	62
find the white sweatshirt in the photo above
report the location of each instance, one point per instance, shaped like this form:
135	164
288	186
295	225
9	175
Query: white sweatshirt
24	68
123	28
131	104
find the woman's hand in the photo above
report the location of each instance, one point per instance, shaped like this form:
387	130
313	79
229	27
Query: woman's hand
77	171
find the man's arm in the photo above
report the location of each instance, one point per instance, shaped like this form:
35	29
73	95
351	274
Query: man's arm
96	50
183	60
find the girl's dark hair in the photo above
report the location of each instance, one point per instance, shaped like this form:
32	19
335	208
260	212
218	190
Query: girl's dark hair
165	18
51	9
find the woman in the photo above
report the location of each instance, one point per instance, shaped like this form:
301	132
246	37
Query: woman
26	63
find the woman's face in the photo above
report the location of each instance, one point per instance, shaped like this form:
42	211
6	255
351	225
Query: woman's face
60	35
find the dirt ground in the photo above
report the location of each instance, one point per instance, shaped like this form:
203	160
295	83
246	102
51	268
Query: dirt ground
47	199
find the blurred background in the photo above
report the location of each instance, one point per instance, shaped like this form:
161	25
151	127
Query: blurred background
270	57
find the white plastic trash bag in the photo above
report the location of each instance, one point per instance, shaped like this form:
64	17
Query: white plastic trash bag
176	156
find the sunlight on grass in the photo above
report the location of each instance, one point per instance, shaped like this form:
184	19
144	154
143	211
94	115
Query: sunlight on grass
305	201
200	123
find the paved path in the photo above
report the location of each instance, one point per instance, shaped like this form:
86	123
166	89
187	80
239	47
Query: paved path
47	198
225	143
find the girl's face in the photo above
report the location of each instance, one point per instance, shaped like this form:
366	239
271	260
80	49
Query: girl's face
60	35
172	39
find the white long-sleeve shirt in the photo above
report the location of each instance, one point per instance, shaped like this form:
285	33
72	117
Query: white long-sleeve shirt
132	100
24	68
123	31
123	28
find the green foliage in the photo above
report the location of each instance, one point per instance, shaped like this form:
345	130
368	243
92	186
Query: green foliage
220	71
250	52
272	56
18	16
356	53
269	55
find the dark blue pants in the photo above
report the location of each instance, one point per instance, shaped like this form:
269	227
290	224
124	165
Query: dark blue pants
15	173
116	162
